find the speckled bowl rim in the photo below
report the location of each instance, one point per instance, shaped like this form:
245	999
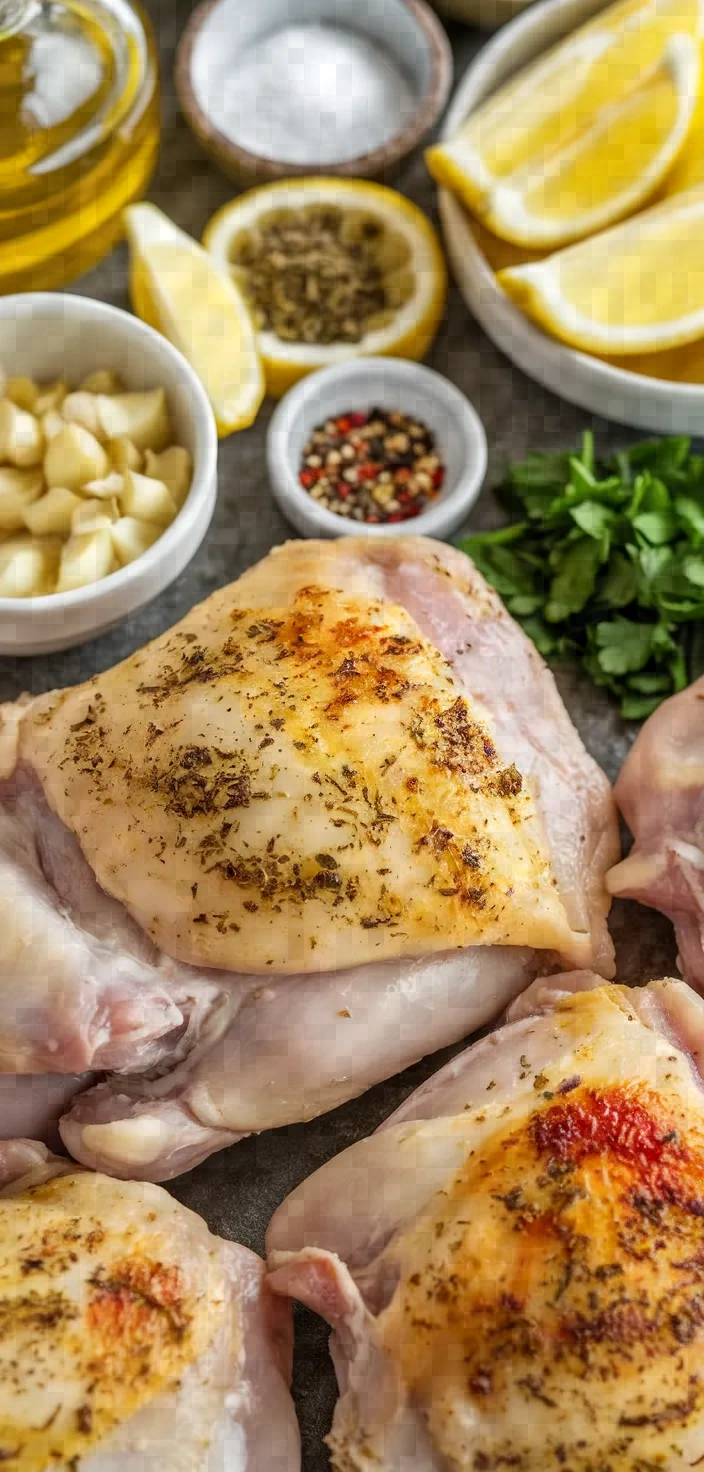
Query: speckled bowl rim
440	519
244	162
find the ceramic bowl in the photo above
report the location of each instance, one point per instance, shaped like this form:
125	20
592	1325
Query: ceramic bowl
219	31
46	336
392	383
489	14
646	403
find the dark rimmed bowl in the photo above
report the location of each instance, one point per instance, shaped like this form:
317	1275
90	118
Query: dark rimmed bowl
408	29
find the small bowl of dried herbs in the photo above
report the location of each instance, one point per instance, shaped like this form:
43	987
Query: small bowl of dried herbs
378	446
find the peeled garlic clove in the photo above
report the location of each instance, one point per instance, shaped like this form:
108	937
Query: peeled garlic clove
131	538
147	499
82	408
73	458
23	392
28	567
51	397
52	424
21	438
91	516
18	490
175	467
125	455
105	490
85	558
142	418
52	513
103	381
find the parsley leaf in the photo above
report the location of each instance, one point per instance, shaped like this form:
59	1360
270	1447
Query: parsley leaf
574	580
623	645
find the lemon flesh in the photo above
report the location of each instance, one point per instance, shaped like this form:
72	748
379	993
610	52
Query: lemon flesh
585	134
176	287
408	329
637	288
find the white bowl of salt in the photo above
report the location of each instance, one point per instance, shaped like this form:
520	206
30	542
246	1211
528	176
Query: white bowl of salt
286	87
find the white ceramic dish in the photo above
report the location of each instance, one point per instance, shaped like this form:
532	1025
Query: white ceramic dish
646	403
46	335
392	383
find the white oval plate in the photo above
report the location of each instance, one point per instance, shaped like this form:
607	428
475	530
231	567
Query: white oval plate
646	403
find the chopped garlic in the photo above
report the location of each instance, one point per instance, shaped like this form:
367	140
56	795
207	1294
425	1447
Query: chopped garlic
75	503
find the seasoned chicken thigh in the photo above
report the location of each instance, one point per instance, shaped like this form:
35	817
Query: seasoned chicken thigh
334	819
132	1338
512	1265
297	785
661	794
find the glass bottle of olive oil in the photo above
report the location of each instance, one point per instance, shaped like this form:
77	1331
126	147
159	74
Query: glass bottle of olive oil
79	132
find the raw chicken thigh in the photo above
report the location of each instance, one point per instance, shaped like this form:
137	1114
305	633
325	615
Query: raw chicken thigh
334	820
135	1341
661	794
512	1265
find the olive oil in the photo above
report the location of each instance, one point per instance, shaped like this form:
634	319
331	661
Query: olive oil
79	133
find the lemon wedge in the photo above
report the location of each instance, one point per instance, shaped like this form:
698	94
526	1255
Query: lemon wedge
178	289
688	169
410	259
587	133
636	288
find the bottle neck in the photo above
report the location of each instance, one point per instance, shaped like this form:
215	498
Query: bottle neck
16	14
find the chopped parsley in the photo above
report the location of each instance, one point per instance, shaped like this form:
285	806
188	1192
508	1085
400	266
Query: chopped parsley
606	564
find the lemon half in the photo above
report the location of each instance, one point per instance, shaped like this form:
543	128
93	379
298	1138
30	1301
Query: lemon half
637	288
177	288
587	133
410	256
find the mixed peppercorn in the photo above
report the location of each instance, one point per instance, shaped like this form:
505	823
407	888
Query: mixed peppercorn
377	465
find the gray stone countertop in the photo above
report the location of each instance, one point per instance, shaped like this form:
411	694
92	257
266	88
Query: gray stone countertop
238	1190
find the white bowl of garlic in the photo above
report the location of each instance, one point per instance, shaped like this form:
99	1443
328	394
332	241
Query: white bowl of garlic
108	459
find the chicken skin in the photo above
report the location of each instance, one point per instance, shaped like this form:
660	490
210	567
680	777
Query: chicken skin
132	1338
659	791
333	820
513	1264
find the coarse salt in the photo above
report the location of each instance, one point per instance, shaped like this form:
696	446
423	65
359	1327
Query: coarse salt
310	94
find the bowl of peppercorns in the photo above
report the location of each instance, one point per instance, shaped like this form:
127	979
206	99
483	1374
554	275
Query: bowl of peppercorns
378	447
